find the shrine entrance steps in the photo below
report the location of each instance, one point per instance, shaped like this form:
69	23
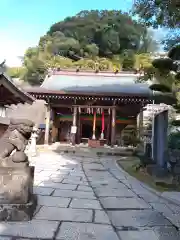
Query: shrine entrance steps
84	150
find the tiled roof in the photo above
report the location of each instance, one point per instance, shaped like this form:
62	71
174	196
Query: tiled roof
12	94
89	82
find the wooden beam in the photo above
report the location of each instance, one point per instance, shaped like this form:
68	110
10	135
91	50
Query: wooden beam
89	106
60	105
73	134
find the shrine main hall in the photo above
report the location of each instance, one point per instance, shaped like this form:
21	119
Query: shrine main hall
92	108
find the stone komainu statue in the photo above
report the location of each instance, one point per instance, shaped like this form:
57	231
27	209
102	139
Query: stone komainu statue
13	143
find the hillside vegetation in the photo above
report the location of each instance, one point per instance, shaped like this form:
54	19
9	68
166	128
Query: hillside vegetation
107	40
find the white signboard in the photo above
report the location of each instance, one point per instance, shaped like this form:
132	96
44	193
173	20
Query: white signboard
73	129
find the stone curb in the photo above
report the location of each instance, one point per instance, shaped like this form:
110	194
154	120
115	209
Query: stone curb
171	201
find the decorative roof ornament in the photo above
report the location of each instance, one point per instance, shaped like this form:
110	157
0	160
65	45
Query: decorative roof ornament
2	66
96	67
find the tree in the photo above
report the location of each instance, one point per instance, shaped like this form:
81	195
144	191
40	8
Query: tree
156	13
163	13
92	50
35	68
35	72
172	38
148	42
86	38
111	31
128	61
16	72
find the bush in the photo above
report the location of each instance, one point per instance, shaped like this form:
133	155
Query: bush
174	140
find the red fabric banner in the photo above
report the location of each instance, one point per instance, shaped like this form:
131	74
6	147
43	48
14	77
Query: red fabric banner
102	121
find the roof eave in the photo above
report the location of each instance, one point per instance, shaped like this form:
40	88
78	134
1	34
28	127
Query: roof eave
23	96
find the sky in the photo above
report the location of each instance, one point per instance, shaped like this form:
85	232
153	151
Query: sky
23	22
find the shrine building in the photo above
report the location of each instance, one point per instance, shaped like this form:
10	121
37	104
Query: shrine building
10	94
93	108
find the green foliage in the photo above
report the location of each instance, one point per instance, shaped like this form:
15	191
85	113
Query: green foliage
172	38
16	72
95	40
163	13
158	12
128	61
174	140
110	31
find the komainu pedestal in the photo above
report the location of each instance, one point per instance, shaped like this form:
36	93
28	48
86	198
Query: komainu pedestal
17	202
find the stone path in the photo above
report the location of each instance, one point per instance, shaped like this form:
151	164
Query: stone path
83	198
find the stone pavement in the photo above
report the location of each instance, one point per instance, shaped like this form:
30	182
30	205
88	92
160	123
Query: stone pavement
83	198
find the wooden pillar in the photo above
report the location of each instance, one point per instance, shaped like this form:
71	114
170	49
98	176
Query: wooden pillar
94	126
79	128
113	126
54	127
109	129
74	127
47	128
140	124
102	125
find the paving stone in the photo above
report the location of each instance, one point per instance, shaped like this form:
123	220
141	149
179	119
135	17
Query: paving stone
124	203
33	229
138	235
94	166
137	218
77	172
150	197
85	203
73	178
174	208
112	192
40	178
174	196
109	192
43	190
84	231
98	179
101	174
73	194
5	238
174	218
161	207
64	214
101	217
53	201
105	183
167	233
58	185
69	181
44	174
59	175
63	172
84	188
